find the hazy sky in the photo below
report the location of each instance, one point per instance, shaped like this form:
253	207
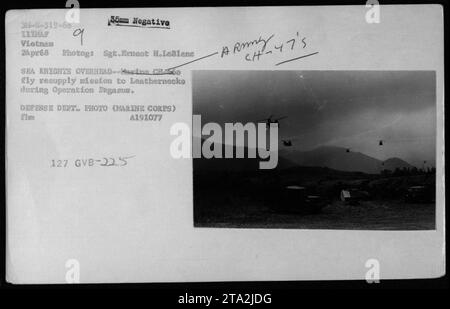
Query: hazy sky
353	109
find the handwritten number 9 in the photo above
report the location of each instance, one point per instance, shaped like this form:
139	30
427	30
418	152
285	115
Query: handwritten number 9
79	32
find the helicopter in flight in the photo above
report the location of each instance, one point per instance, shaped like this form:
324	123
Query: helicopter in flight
272	120
380	143
287	143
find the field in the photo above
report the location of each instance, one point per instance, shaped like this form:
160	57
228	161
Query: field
368	215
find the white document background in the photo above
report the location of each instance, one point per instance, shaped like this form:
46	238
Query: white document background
135	224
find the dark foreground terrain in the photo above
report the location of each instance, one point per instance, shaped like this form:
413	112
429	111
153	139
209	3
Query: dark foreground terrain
252	200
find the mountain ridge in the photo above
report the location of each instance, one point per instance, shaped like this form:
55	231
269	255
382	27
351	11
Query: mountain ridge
333	157
342	159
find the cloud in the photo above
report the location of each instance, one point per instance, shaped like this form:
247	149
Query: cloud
355	108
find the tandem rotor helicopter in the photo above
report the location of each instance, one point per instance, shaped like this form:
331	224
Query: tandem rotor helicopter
271	119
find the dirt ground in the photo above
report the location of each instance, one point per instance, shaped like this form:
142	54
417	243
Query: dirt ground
368	215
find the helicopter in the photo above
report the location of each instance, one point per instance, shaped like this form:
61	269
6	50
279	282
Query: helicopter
272	120
380	143
287	143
